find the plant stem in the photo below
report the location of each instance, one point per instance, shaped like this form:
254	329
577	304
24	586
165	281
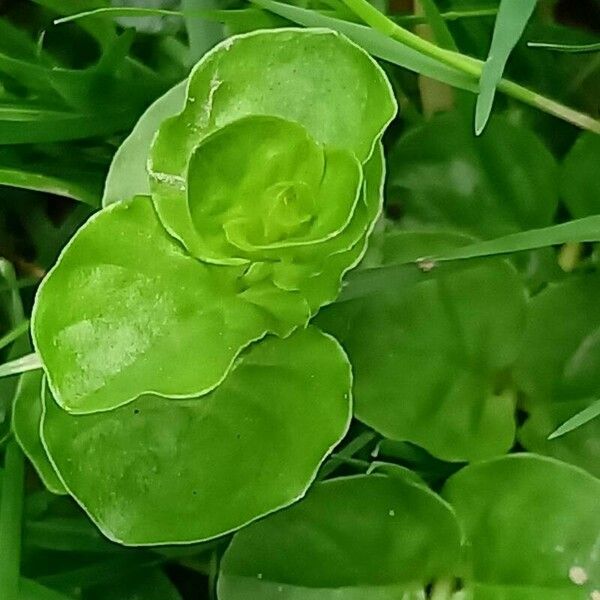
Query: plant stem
11	510
467	64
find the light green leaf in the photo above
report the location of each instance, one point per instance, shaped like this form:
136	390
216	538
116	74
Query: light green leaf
127	176
293	193
26	421
429	358
132	468
316	78
374	537
558	370
512	18
122	318
531	526
579	181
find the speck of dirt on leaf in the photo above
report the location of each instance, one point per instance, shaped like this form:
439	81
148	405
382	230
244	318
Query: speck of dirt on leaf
595	595
392	513
578	575
426	264
259	575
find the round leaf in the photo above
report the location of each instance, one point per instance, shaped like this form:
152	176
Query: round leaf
26	421
532	527
171	471
374	537
429	360
315	77
124	303
559	369
579	181
499	183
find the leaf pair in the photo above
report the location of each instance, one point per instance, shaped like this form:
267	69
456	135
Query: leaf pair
381	538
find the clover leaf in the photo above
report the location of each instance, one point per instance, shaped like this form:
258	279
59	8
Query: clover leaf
160	471
273	196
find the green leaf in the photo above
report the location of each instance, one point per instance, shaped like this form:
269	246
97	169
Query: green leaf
26	420
444	343
362	537
558	369
511	21
163	471
375	43
500	183
531	528
245	75
579	420
579	181
122	318
127	176
292	194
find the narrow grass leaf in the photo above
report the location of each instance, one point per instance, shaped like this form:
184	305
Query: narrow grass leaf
579	230
580	419
30	362
512	18
570	48
13	334
438	25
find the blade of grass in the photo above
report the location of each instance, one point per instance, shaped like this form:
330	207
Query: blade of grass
28	125
461	71
512	18
579	230
440	30
11	510
347	452
580	419
15	333
29	362
595	47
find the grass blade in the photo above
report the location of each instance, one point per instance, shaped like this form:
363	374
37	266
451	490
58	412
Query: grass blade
512	18
11	510
15	333
566	47
440	30
579	230
29	362
581	418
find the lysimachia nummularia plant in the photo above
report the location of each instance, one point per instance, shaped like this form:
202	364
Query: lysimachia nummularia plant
179	365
